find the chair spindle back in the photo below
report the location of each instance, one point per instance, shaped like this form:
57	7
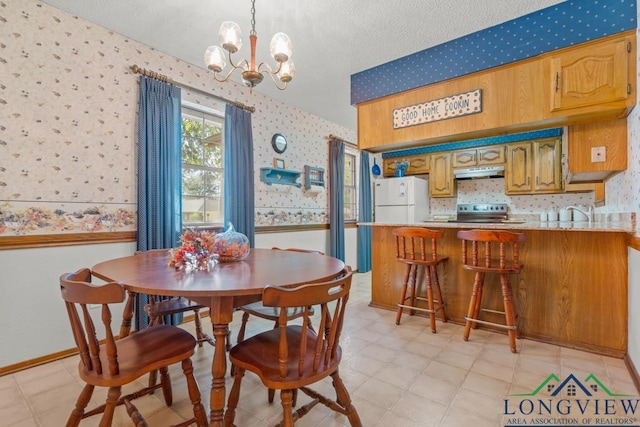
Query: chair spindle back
326	345
412	244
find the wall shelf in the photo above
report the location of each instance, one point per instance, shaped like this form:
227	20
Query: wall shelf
313	176
279	176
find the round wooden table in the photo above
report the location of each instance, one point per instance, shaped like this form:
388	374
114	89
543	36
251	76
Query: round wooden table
223	288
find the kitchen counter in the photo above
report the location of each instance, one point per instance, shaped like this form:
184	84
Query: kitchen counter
572	290
618	226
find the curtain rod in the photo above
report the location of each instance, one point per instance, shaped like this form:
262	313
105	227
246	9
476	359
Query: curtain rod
332	136
165	79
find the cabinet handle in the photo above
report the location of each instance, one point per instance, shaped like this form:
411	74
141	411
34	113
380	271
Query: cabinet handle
629	89
528	180
557	81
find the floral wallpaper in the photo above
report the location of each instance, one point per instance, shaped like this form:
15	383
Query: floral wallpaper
68	127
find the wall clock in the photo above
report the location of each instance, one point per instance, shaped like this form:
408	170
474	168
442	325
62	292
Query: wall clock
279	143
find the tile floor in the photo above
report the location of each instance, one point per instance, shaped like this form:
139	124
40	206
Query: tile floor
397	376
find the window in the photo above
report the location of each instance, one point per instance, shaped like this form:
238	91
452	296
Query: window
350	200
202	168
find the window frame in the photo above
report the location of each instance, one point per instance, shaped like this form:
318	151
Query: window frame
206	115
351	187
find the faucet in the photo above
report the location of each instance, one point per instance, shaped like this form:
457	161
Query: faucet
588	213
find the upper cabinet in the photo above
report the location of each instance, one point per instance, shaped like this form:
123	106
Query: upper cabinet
595	81
418	165
597	150
441	181
491	155
534	167
596	74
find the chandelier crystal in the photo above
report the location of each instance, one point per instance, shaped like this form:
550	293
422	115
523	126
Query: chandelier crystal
230	37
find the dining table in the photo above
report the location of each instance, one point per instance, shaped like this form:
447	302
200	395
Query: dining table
223	287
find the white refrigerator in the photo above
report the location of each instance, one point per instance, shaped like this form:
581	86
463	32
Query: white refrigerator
402	200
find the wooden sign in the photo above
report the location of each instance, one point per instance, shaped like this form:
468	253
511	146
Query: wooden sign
440	109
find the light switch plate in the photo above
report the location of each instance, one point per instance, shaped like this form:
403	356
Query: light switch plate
598	154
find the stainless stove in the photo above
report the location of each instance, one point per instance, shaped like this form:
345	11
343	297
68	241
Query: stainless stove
482	212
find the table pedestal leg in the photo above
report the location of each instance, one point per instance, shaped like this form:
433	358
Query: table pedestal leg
218	371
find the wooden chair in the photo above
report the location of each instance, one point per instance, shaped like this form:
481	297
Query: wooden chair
161	306
118	362
417	247
484	244
270	313
292	357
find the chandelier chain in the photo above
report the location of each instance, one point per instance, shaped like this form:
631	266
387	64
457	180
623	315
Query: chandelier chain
253	17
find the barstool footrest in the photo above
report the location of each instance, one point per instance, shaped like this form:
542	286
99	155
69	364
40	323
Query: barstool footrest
484	322
436	308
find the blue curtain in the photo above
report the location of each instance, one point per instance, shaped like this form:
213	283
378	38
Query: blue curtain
238	172
336	199
365	214
159	173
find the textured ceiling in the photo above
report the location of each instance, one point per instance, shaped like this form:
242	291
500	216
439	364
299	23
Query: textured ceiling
332	39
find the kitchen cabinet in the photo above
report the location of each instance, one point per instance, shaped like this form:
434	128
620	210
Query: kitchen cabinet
534	167
594	79
595	74
418	165
547	166
596	151
441	181
490	155
518	169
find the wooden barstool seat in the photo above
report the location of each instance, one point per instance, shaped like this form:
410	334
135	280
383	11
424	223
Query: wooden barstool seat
412	250
483	244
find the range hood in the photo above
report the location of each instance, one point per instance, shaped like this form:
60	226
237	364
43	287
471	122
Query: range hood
480	172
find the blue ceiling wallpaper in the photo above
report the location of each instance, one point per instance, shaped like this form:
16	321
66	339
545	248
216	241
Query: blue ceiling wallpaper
565	24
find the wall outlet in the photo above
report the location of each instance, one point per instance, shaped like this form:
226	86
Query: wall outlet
598	154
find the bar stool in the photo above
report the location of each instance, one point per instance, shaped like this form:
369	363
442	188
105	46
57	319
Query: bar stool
483	245
411	249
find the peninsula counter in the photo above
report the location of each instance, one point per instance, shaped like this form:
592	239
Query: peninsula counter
572	290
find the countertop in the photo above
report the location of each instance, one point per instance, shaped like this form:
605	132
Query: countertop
616	227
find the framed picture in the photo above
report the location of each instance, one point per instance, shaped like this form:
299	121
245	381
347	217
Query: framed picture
278	163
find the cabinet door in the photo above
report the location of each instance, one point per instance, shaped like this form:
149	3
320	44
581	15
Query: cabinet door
441	182
547	170
493	155
591	75
519	169
418	165
465	158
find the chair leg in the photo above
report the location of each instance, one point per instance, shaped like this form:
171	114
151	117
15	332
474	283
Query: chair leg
414	288
112	400
509	311
403	295
198	325
194	394
165	380
431	305
272	394
243	326
81	404
476	312
343	398
286	397
234	396
134	414
153	378
473	304
436	285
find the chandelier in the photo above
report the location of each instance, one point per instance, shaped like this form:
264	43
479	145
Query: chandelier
231	40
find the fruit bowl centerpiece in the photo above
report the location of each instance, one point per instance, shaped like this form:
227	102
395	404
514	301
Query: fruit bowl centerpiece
231	245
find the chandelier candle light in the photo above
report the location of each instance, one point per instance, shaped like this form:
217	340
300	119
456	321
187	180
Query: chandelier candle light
231	41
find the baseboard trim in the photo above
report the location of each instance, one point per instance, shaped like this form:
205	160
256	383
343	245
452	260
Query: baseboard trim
632	371
48	358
